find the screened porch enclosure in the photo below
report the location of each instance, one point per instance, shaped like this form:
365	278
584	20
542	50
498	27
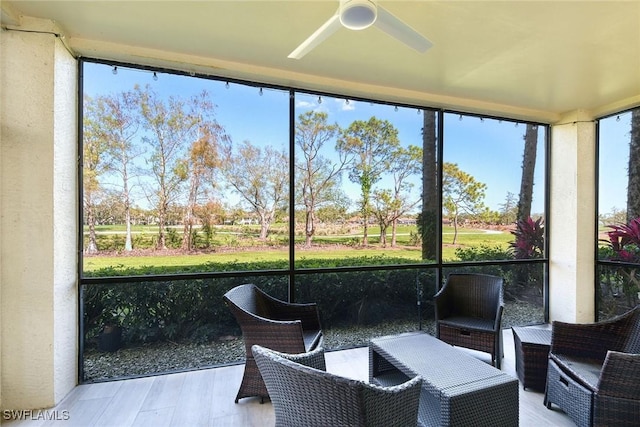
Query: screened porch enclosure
194	184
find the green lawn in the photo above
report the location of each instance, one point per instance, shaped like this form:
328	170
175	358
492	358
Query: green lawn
329	247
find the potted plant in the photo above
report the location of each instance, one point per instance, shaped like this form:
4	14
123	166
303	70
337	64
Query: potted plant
110	336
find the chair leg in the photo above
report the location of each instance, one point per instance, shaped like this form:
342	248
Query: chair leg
545	401
252	383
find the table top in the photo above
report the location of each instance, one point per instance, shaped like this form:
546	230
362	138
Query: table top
418	353
532	335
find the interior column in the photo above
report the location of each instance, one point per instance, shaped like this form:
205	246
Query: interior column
39	225
572	217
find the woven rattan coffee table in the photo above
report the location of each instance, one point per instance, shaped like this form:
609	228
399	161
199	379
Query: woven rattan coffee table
458	389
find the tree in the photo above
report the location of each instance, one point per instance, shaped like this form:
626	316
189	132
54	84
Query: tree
405	163
372	143
209	214
428	218
633	186
170	125
509	209
528	169
201	164
110	209
615	216
121	123
337	211
95	164
461	193
260	177
318	176
385	207
487	216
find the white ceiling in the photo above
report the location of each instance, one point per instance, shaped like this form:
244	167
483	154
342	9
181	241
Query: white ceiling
536	60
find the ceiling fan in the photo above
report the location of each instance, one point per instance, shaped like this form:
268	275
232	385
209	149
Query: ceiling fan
358	15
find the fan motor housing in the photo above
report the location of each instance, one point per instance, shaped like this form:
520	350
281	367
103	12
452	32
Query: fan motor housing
358	14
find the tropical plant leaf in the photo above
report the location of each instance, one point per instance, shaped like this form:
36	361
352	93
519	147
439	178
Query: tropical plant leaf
529	242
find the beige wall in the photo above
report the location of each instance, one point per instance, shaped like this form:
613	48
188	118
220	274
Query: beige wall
38	226
572	219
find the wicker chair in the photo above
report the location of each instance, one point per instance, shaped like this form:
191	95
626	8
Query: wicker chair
469	313
270	322
594	371
309	396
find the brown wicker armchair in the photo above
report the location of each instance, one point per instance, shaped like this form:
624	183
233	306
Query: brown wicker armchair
594	371
275	324
469	313
303	394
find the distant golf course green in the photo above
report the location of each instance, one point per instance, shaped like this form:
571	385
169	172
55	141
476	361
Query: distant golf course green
239	244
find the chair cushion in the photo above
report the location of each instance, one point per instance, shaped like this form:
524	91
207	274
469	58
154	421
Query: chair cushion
469	323
586	371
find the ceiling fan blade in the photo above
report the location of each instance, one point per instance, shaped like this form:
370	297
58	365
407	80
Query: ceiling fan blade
321	34
401	31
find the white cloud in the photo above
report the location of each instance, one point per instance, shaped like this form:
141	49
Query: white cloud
346	105
305	104
311	105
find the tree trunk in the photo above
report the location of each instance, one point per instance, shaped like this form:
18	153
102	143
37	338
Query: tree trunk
455	229
187	241
128	245
186	232
265	222
365	216
162	222
429	217
365	232
528	169
309	228
92	246
394	228
162	240
633	187
526	188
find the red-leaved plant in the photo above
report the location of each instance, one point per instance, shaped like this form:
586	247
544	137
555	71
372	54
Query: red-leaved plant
529	242
624	240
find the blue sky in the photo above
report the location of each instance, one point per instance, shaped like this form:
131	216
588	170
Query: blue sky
489	150
614	162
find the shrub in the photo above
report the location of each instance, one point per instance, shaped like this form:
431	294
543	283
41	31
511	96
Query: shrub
624	241
483	253
529	241
193	309
622	283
